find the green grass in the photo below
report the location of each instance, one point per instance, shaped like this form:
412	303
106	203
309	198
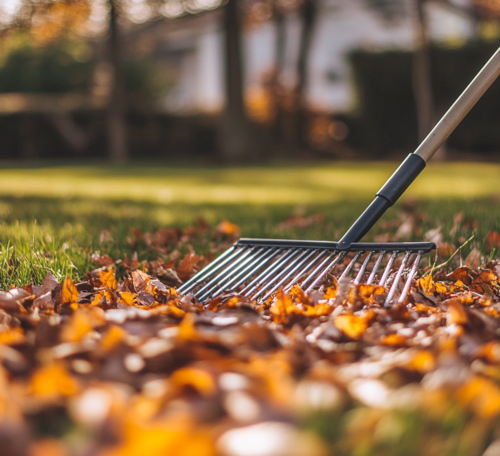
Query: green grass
52	216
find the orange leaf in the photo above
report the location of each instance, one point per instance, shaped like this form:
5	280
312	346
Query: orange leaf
456	312
422	361
11	336
108	278
78	327
112	337
53	380
330	293
69	292
227	228
128	298
352	325
440	287
298	294
283	307
318	310
393	339
198	379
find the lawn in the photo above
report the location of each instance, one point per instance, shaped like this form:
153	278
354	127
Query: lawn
121	366
57	216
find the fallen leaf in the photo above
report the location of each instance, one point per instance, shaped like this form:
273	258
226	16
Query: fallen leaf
227	228
108	278
69	293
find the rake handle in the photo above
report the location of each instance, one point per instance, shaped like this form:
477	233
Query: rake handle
415	162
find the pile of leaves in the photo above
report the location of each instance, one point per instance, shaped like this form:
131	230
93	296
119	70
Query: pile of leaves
128	366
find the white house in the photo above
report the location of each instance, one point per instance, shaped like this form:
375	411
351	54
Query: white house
195	52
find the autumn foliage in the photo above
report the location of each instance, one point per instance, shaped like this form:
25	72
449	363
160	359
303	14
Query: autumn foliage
128	366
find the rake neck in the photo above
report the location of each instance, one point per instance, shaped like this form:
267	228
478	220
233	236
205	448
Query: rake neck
415	163
386	197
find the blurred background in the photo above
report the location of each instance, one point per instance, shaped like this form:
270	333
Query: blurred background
241	81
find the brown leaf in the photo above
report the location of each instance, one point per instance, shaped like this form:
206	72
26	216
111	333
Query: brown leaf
473	260
187	266
493	239
49	283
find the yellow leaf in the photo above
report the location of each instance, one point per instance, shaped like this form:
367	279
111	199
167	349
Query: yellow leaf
426	284
69	292
440	288
53	380
108	278
352	325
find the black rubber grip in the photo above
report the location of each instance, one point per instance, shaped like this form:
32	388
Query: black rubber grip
402	178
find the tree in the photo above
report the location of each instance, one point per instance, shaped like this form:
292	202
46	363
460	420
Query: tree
235	138
116	112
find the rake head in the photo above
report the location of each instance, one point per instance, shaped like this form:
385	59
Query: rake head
257	268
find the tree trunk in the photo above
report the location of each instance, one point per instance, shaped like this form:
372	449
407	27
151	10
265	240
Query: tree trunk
422	84
278	89
117	137
299	124
235	124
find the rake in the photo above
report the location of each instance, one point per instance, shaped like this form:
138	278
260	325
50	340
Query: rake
257	268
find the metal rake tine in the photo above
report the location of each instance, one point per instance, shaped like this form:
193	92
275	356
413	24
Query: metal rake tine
394	286
318	268
231	280
376	266
363	268
388	267
280	274
191	283
309	266
250	273
410	278
266	273
328	268
351	264
289	274
222	273
228	275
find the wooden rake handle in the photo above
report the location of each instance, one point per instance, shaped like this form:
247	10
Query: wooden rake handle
415	162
